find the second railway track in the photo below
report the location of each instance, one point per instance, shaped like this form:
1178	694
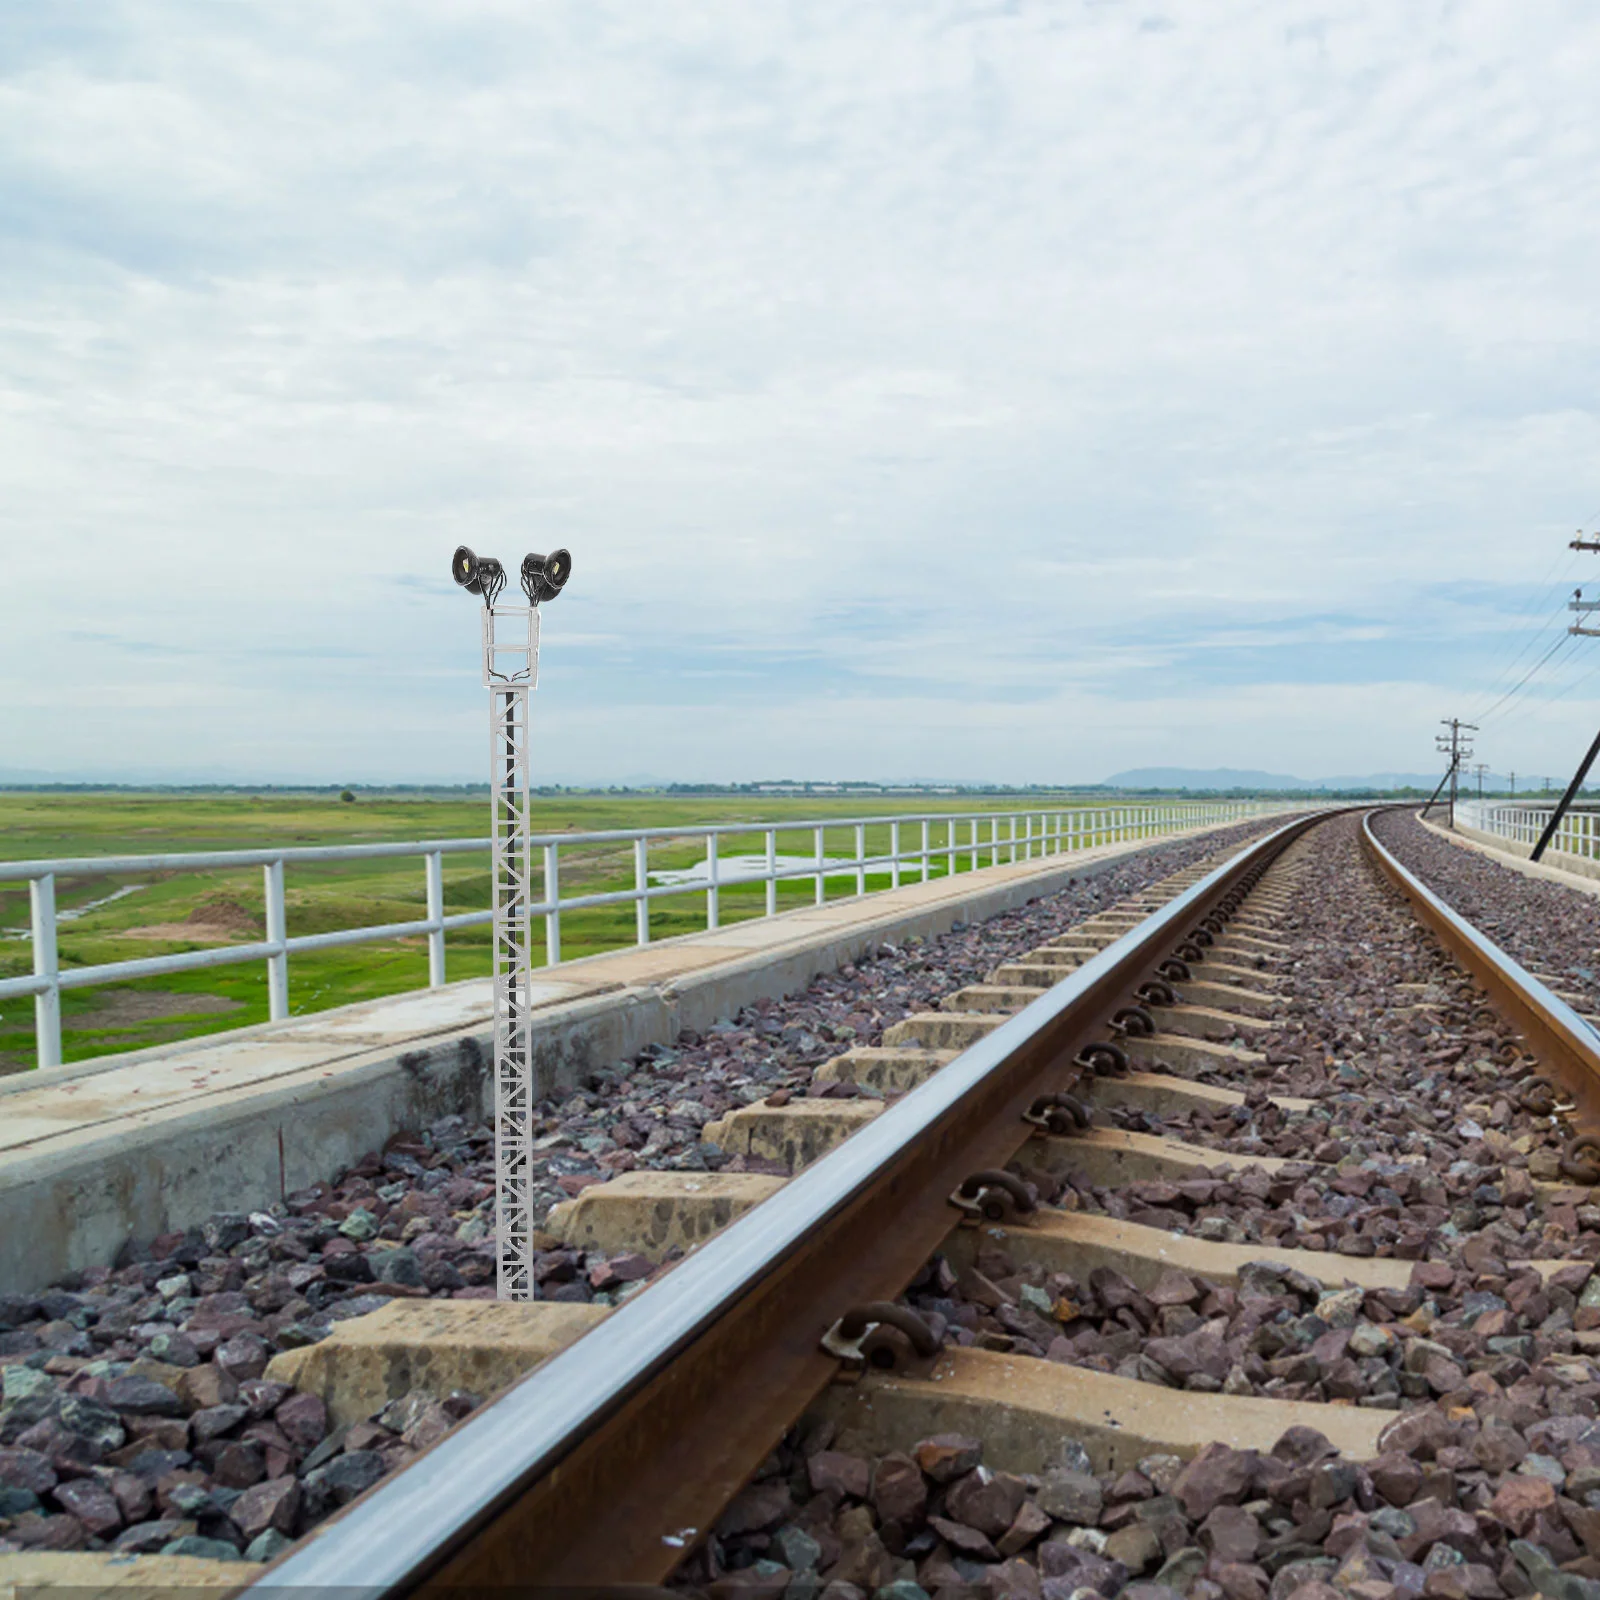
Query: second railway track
1238	1239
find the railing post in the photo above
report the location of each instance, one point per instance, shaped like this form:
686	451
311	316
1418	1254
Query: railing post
822	889
711	892
434	863
950	848
277	965
894	855
772	872
927	863
641	884
552	895
861	858
972	828
1012	822
47	1005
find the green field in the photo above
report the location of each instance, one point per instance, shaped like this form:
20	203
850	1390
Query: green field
167	912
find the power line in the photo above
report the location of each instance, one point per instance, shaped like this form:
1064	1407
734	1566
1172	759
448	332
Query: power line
1577	683
1560	644
1541	596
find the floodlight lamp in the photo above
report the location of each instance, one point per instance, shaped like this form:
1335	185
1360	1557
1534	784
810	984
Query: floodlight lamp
544	577
478	574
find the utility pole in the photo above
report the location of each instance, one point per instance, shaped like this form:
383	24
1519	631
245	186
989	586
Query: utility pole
1458	749
1583	608
1513	783
1478	772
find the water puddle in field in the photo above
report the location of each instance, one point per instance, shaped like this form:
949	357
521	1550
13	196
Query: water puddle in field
748	869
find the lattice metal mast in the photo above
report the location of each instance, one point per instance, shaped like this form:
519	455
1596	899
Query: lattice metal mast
510	673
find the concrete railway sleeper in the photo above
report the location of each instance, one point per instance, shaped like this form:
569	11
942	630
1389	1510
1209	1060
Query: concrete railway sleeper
1234	1242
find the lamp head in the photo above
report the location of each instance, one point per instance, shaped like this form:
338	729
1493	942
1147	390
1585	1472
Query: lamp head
544	577
464	569
478	574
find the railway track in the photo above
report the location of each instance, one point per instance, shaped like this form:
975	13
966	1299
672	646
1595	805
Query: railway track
1237	1240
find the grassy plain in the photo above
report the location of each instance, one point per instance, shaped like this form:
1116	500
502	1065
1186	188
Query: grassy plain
158	912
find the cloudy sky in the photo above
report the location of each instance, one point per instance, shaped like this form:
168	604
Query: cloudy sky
1014	392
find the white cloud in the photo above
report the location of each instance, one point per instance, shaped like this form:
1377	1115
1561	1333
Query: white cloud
905	370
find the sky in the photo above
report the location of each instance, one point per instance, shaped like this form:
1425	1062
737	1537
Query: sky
1001	393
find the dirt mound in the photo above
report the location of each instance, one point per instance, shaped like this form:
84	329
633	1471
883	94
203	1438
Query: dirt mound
218	919
220	914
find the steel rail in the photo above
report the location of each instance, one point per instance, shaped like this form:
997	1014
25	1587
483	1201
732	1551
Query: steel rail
1556	1034
608	1462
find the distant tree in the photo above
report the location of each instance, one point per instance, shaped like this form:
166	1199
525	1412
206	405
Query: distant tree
344	794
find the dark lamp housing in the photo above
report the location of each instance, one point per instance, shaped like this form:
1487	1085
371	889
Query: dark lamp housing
544	577
477	574
464	569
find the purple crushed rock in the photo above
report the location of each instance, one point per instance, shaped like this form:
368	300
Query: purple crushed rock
826	1518
1478	1331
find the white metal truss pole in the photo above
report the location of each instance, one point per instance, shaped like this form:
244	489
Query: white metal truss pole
510	673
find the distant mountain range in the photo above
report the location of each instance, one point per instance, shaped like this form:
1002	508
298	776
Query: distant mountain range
1241	778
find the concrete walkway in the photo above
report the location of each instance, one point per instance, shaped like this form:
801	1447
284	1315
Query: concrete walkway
96	1152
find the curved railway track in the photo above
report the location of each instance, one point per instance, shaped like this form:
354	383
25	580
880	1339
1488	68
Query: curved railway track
1093	1235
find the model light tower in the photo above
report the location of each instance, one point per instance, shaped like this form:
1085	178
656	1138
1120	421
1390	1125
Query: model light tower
510	673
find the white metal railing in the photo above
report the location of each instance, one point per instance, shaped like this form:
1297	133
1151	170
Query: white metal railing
1578	835
920	845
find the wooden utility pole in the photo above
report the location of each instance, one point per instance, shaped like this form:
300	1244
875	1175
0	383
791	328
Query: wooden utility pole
1458	749
1583	608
